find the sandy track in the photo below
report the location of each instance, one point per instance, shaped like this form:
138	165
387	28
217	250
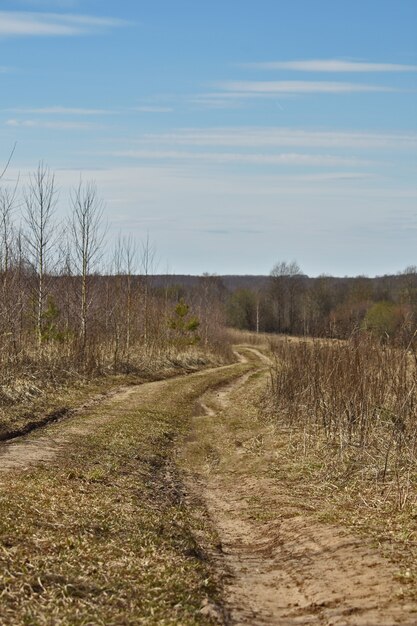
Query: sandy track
281	567
298	572
45	443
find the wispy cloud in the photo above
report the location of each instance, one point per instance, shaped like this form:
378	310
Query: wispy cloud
152	109
315	160
59	110
229	231
249	137
335	176
242	88
218	100
80	111
233	93
22	23
181	178
50	4
50	125
330	65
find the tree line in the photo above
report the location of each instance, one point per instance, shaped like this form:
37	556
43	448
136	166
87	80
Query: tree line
72	300
292	303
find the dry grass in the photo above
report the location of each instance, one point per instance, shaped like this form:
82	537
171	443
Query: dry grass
37	398
362	396
248	338
346	418
106	535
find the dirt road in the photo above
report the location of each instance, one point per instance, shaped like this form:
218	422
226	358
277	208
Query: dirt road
277	563
281	567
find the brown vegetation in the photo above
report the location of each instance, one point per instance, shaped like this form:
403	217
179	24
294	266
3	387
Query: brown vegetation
71	310
96	527
361	395
351	411
289	302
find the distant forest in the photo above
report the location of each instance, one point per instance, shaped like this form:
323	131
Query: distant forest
287	301
71	303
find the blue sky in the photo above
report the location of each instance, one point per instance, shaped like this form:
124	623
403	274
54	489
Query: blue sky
236	133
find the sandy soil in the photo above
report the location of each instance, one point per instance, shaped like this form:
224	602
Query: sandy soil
280	565
47	442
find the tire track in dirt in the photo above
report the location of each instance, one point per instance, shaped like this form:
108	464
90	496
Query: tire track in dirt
280	566
48	440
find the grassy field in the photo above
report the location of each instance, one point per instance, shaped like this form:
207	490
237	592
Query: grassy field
124	513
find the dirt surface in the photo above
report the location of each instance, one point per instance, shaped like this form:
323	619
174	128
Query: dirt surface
279	564
45	443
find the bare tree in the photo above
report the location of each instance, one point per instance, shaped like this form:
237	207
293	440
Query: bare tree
147	267
7	276
124	263
87	234
284	282
40	199
129	252
7	207
9	160
7	234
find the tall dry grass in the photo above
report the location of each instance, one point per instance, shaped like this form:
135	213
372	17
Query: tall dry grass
358	399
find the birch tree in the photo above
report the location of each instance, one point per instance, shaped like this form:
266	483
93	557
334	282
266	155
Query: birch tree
40	199
87	236
147	268
129	255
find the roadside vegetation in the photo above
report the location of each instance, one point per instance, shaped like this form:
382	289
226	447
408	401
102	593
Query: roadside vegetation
79	313
349	411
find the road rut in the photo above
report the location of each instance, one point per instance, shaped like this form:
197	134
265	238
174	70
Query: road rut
280	566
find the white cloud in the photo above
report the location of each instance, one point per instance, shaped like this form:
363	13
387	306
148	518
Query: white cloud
279	137
148	183
152	109
22	23
79	111
58	110
216	101
50	125
242	88
333	177
331	65
214	98
51	4
315	160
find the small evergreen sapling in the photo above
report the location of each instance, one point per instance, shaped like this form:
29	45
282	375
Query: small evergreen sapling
184	325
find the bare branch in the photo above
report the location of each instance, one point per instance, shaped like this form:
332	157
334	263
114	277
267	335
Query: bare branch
8	161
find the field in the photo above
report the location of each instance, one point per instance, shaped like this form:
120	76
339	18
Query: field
214	497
